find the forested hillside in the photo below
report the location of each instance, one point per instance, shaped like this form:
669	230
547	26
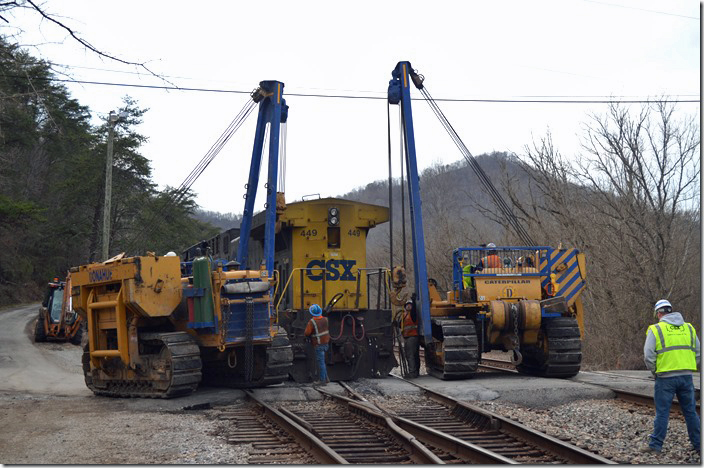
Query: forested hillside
222	221
52	179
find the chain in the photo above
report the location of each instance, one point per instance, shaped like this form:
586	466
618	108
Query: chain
248	346
515	326
225	317
401	343
516	341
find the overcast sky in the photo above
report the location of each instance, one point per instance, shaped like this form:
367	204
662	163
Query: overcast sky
505	50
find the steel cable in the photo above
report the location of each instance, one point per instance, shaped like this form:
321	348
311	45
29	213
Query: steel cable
177	195
481	175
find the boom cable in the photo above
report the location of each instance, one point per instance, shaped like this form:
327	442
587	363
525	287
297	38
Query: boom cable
177	195
481	175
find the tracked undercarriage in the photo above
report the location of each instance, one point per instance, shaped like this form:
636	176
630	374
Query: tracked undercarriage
268	364
454	352
559	350
171	367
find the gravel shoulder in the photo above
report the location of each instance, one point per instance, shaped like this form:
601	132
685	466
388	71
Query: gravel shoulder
82	431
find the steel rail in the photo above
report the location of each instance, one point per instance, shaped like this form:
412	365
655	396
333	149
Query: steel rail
465	451
309	441
551	444
625	395
500	364
418	452
647	400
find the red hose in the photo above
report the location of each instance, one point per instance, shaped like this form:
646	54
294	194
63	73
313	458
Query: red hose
342	329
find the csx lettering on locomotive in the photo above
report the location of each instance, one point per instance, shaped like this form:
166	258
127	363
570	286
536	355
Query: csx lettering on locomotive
335	270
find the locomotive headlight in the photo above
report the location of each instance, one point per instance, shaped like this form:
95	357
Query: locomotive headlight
333	216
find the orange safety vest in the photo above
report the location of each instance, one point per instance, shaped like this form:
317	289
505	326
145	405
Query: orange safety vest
318	328
410	328
491	261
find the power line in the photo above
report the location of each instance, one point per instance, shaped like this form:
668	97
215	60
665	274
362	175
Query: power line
350	96
642	9
69	66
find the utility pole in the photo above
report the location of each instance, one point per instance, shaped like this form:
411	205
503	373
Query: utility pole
112	120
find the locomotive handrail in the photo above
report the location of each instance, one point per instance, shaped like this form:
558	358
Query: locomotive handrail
283	291
374	271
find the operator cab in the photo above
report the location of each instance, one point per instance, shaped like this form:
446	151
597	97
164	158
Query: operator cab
497	273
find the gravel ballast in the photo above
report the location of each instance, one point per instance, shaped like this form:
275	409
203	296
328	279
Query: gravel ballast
613	429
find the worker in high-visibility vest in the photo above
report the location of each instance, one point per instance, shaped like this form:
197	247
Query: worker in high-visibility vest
411	340
672	352
317	329
492	259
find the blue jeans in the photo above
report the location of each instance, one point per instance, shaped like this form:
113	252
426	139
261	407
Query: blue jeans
320	351
665	390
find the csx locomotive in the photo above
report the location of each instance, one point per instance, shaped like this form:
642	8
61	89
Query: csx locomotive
320	258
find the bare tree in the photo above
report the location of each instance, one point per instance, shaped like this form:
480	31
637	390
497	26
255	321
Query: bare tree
7	8
644	170
631	202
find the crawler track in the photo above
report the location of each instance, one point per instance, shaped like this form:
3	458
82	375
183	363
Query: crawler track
460	349
176	371
493	432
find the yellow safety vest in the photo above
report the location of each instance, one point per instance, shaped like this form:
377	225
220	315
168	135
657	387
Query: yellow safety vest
467	280
675	347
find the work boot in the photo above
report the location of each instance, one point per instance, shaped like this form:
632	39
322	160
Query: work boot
648	449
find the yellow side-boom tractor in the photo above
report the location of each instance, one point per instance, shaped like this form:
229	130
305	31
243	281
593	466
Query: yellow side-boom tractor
155	333
524	299
157	327
521	299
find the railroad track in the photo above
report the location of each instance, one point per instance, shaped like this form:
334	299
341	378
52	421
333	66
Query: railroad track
357	431
360	433
638	398
467	432
275	439
352	432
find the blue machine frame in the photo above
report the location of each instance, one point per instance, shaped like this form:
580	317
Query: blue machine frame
273	111
400	93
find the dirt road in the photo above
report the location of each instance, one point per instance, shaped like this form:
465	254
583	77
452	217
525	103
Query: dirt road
48	416
39	368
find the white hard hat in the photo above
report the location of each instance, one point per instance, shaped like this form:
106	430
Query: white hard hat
170	254
662	303
490	245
